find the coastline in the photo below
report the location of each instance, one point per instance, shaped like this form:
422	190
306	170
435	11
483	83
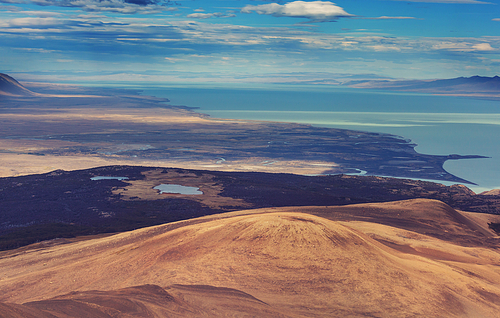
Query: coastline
303	138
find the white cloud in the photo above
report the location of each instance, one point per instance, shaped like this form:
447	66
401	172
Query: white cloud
33	22
42	14
200	15
452	46
91	16
173	60
496	19
483	47
35	50
210	15
227	38
190	45
385	48
317	11
463	46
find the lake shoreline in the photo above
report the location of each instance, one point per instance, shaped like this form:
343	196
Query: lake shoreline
437	125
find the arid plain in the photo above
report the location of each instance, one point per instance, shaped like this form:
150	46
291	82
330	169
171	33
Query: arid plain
410	258
68	127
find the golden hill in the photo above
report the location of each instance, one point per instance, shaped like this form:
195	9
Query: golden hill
147	301
269	262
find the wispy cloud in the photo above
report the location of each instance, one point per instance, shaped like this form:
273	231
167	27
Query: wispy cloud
173	60
156	36
35	50
465	45
115	6
62	26
42	14
210	15
315	11
13	1
38	23
101	40
10	8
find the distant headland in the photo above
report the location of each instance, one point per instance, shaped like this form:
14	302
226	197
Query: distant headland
10	87
474	86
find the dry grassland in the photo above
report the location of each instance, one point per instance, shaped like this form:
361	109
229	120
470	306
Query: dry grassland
297	263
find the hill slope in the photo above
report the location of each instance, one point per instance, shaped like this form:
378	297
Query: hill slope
428	217
70	203
10	87
146	301
296	263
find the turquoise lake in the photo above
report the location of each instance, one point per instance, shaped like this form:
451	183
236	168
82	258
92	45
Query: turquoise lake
440	125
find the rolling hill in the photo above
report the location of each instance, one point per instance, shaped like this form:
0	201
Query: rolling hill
274	262
69	203
147	301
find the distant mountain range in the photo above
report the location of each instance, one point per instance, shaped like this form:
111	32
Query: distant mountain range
10	87
475	85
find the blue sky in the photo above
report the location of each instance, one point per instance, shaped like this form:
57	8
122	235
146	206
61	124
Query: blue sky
247	41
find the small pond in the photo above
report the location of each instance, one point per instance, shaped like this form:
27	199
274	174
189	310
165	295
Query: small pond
177	189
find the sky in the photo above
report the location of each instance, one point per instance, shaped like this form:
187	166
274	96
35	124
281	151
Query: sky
231	41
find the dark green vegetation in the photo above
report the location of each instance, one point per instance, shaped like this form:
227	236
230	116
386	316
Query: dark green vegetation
69	203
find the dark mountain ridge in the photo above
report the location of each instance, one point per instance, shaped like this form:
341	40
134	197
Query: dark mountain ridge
460	85
10	87
479	83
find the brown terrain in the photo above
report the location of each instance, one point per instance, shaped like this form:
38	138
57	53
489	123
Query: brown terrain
415	258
